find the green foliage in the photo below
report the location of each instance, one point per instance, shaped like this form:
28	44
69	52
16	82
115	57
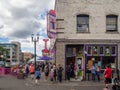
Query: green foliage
3	52
27	59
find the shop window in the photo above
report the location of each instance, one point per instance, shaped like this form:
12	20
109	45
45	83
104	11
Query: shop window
111	23
74	51
79	51
95	51
108	61
101	50
113	50
89	50
82	23
69	52
107	51
79	54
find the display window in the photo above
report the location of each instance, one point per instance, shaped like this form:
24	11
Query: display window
108	60
95	50
113	50
93	60
101	50
89	50
107	50
101	55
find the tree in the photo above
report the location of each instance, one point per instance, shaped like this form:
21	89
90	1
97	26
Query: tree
3	52
27	59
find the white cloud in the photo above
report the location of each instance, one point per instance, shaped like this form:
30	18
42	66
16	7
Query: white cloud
20	18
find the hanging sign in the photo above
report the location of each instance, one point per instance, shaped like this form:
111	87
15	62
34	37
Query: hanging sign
51	24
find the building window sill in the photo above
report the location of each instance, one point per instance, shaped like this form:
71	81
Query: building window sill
82	32
112	32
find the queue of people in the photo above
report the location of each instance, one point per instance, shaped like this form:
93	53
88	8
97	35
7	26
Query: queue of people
96	71
50	71
54	73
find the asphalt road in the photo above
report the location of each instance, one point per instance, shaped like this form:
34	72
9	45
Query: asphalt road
12	83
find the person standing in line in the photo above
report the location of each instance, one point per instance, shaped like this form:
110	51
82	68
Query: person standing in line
55	73
75	70
108	76
37	75
98	71
46	71
51	74
68	72
93	71
26	70
32	71
59	73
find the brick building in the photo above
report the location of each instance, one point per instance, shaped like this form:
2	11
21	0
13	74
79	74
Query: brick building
88	32
27	56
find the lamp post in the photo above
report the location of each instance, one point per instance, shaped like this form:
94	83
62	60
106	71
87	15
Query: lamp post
35	39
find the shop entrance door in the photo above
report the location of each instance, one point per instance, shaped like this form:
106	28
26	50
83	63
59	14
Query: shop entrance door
70	60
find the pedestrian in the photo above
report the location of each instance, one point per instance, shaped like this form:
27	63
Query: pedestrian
59	73
68	72
55	73
37	75
51	73
115	83
32	71
46	72
72	75
75	70
26	70
93	71
98	71
108	76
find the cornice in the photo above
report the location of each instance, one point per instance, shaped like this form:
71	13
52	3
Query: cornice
87	41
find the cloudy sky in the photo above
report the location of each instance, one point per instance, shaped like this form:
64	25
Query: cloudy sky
20	18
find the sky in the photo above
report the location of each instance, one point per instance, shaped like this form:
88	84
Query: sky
21	18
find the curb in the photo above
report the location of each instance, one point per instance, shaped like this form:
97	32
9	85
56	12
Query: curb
73	84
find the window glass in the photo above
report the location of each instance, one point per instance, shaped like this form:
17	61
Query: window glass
113	50
101	50
107	51
89	50
111	23
95	50
82	23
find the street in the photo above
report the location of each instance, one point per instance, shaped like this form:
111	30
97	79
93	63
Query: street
9	82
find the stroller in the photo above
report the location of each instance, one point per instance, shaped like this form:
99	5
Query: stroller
115	84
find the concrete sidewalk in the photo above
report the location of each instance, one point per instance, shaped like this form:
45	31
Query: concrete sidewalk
42	81
72	82
67	83
10	82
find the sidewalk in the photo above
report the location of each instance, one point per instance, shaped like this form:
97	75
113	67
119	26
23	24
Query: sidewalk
72	82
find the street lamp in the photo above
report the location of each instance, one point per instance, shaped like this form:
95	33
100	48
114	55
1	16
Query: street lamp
35	38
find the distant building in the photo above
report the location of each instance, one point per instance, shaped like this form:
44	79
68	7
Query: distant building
27	56
13	51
